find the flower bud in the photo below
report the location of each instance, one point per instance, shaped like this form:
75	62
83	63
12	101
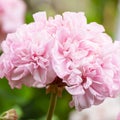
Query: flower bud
9	115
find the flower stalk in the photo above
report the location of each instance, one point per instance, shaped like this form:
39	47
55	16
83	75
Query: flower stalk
55	88
53	100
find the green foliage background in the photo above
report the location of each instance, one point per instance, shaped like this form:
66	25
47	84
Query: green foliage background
32	103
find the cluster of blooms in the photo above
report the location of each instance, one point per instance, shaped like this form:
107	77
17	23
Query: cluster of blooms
80	54
11	16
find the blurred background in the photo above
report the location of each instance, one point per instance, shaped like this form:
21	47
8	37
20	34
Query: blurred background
32	103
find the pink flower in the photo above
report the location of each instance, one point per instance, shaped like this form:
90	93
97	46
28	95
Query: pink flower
26	58
86	59
11	15
65	48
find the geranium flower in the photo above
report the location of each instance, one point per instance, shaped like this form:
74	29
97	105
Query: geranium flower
86	59
12	13
64	51
26	57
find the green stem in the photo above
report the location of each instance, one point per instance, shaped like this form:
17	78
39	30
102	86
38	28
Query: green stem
52	105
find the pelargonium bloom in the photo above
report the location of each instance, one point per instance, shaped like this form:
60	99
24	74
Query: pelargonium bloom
12	13
86	59
80	55
26	57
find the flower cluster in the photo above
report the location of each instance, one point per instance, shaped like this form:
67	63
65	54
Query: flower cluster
11	16
81	55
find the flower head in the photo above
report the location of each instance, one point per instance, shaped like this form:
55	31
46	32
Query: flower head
26	58
80	55
11	16
86	59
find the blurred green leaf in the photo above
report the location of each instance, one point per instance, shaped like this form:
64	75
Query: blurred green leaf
29	17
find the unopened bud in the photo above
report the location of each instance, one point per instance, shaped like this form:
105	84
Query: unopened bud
9	115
